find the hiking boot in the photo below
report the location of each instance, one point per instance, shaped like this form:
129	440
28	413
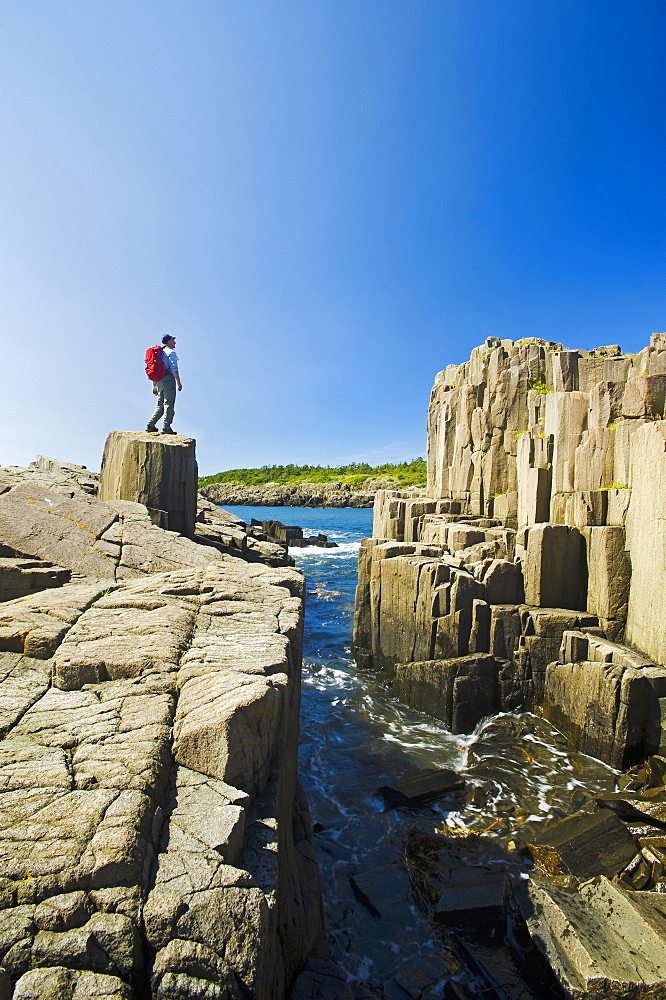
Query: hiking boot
151	430
168	430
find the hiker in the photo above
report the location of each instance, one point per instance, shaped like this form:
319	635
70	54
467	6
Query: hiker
165	387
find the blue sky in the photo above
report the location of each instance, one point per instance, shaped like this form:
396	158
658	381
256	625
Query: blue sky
326	201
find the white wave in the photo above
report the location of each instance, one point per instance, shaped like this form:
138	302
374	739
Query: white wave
323	678
345	549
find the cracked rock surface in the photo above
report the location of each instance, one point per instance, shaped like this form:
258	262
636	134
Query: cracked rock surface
153	839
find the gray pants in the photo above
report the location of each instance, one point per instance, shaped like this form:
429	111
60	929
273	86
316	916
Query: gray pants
166	401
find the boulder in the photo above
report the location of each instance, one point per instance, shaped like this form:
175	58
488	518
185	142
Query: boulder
65	528
503	582
499	969
58	983
606	698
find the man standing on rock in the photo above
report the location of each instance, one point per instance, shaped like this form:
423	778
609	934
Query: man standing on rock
165	388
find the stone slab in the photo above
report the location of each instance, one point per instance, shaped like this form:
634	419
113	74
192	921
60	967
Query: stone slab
598	941
475	897
380	889
584	844
424	786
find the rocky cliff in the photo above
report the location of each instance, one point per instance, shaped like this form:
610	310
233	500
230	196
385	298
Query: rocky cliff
154	841
530	572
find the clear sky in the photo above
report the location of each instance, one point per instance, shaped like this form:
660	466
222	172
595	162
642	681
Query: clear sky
325	201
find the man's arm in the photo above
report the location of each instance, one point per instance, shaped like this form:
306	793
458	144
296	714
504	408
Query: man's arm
172	358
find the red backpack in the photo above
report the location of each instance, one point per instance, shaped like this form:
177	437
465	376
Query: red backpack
155	369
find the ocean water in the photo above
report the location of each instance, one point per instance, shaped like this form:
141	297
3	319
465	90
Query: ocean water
355	738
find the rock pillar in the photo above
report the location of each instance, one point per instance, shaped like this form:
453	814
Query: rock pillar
156	470
646	541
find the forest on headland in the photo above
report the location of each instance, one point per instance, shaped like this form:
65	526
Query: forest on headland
355	474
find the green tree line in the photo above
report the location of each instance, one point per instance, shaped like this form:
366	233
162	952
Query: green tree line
406	473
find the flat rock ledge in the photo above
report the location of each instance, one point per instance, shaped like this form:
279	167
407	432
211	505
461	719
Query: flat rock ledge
154	841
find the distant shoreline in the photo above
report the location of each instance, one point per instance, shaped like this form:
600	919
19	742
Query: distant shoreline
301	495
311	485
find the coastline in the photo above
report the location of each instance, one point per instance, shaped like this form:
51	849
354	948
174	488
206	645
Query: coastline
335	494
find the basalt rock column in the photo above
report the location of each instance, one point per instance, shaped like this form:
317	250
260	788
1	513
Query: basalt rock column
157	471
543	527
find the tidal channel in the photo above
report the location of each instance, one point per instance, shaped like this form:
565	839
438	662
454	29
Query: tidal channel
355	738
